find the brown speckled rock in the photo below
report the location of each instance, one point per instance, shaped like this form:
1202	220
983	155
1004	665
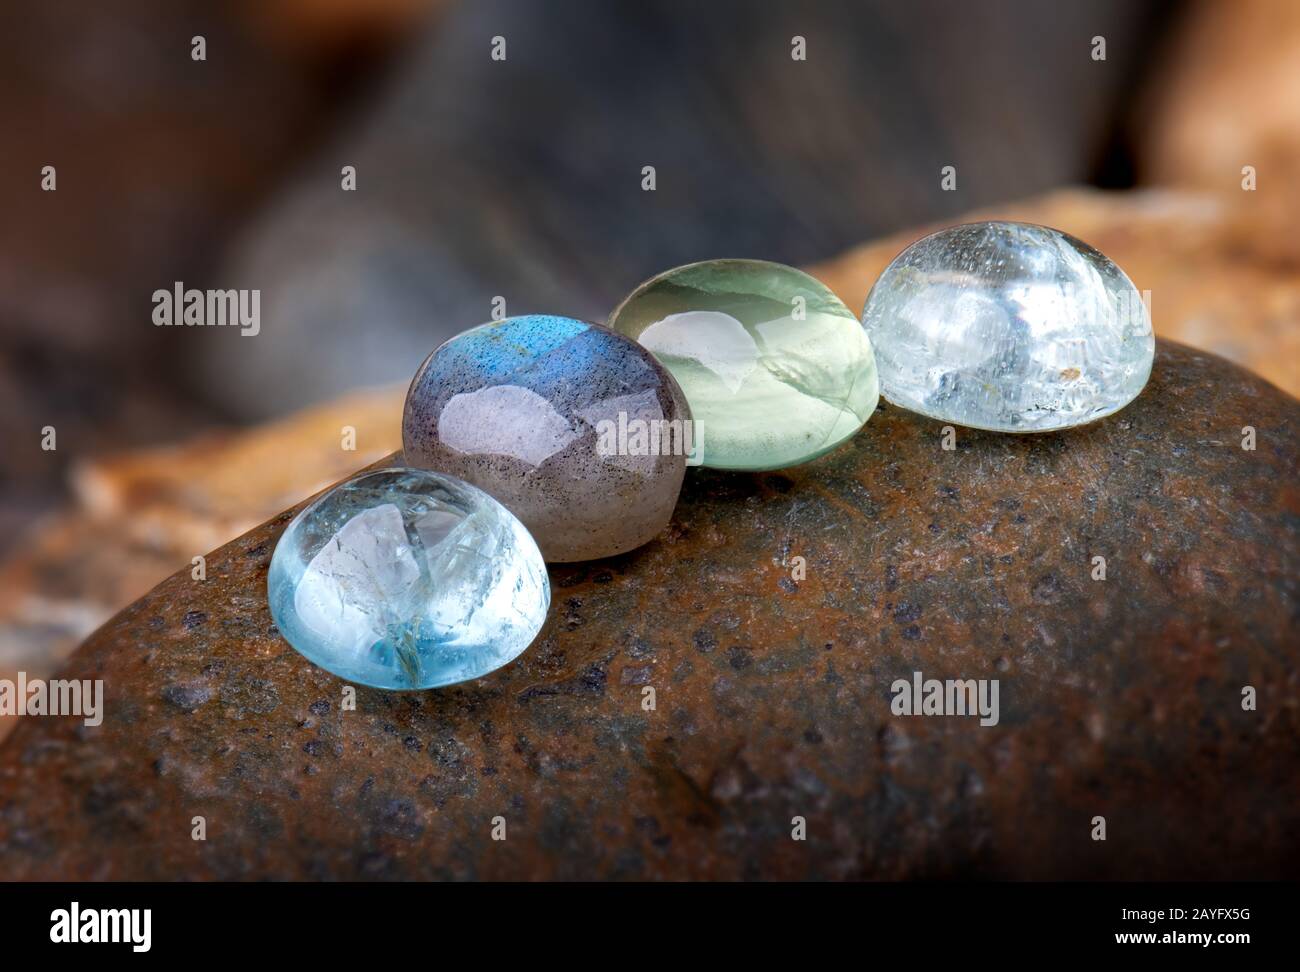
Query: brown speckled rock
1118	698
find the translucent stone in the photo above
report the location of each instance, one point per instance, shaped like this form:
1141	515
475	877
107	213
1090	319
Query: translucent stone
575	429
776	369
1009	327
407	579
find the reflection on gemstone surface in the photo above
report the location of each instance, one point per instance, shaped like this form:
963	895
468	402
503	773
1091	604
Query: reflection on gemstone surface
506	419
731	354
407	579
775	368
1010	327
521	408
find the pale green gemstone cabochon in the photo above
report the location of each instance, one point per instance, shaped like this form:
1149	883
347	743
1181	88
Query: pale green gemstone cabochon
776	370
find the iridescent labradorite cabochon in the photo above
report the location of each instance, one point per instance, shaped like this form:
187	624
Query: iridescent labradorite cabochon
575	429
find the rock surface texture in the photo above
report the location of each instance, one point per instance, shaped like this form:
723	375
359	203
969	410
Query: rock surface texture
1119	698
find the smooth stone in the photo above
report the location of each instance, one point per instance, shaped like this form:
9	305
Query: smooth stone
776	369
1008	327
1121	696
407	579
575	429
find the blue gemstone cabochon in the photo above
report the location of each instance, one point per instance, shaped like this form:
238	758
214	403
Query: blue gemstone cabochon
407	579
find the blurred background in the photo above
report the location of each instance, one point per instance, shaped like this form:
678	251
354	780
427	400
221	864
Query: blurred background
1135	124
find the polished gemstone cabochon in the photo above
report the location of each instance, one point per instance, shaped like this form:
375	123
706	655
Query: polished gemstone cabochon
576	429
407	579
776	369
1009	327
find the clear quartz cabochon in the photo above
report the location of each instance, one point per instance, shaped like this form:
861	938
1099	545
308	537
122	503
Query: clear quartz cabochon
1010	327
407	579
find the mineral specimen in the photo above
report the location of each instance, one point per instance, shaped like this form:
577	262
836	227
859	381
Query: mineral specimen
1008	327
407	579
575	429
775	368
